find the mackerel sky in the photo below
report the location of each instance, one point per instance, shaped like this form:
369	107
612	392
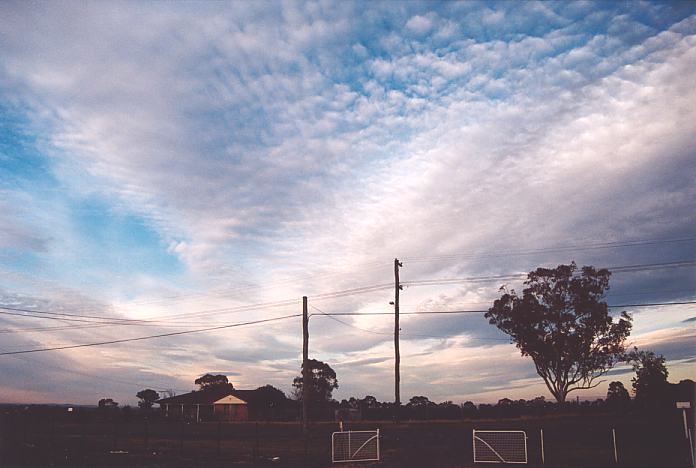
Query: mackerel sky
168	158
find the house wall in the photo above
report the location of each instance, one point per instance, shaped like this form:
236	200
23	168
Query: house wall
230	412
188	412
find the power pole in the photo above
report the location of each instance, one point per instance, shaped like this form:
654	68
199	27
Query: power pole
397	356
305	364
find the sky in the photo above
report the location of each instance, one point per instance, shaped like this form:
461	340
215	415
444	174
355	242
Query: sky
203	164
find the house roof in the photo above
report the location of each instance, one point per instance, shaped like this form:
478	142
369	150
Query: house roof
207	396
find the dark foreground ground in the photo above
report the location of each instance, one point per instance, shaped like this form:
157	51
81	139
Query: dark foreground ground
569	441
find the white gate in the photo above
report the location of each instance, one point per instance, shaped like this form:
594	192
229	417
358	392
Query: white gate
500	446
355	446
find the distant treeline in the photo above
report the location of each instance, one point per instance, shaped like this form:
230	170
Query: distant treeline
418	408
421	408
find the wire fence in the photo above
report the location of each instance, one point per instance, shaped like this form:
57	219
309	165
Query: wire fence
568	442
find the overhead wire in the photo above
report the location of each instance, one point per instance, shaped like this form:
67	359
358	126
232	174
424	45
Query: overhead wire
179	320
108	379
345	292
580	247
483	311
331	316
417	259
150	337
612	269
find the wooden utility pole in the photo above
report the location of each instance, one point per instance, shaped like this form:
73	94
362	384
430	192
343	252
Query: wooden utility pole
397	355
305	365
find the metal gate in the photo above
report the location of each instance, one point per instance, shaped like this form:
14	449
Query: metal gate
355	446
500	446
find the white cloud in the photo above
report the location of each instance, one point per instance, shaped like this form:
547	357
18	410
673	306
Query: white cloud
271	171
420	24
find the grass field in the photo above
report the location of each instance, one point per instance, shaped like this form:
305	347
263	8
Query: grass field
570	441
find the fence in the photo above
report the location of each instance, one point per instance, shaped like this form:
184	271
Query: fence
355	446
499	446
568	442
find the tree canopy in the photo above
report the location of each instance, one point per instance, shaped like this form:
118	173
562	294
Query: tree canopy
271	395
561	322
210	380
420	402
617	396
147	398
650	383
107	403
322	384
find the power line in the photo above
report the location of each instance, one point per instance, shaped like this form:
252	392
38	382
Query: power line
323	296
35	311
62	319
612	269
350	292
348	324
445	312
156	320
417	259
206	312
652	304
108	379
403	334
334	314
603	245
140	338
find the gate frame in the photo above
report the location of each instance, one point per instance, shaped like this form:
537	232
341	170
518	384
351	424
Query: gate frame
351	459
473	442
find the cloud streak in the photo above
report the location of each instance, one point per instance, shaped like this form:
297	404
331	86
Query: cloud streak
276	151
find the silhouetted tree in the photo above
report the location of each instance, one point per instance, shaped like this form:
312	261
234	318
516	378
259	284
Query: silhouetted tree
419	407
650	383
107	403
618	397
267	401
420	402
447	410
505	403
147	398
685	390
469	408
369	402
271	396
323	382
561	322
210	380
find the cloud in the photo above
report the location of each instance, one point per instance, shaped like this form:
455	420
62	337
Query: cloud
420	24
268	153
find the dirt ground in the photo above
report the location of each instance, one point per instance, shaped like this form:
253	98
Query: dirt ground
569	442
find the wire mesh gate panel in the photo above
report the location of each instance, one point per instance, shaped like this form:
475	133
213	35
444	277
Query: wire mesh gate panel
500	446
355	446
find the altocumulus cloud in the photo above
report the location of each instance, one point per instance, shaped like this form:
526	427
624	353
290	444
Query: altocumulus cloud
163	159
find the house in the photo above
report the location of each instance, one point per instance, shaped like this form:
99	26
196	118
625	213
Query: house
216	403
224	403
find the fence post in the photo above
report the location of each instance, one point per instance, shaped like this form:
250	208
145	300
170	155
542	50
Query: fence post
114	435
350	448
219	437
24	435
256	442
616	454
306	446
83	436
147	434
181	439
53	438
543	460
